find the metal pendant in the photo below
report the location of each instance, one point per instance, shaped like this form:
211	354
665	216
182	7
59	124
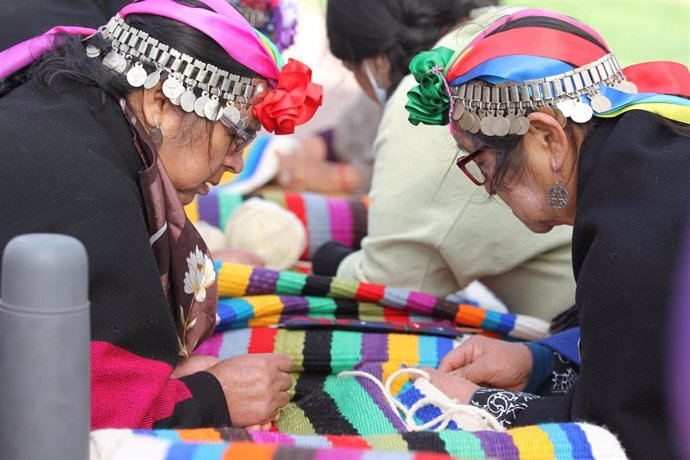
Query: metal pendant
121	65
172	88
187	101
92	51
136	75
600	103
523	125
111	60
458	110
232	114
465	122
485	126
582	113
475	123
200	104
152	79
557	196
500	126
627	87
211	110
566	107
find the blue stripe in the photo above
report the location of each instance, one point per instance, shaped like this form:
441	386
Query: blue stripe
318	221
180	452
561	446
578	441
210	451
517	68
235	343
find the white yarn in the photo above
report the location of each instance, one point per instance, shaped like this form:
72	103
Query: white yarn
212	236
266	229
465	416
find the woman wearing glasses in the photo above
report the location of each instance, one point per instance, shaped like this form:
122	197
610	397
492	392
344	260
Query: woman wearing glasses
428	230
106	138
565	136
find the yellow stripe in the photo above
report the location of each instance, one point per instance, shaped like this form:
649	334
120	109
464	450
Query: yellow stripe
233	280
192	211
532	442
267	310
675	112
402	349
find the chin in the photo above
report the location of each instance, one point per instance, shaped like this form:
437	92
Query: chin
539	227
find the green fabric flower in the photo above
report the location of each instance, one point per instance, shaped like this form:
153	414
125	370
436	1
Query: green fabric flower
428	102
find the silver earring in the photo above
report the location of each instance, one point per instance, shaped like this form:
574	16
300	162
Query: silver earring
156	134
557	196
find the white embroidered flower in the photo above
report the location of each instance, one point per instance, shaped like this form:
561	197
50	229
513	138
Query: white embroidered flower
200	275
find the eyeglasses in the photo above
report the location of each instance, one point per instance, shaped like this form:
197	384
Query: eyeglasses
240	137
471	168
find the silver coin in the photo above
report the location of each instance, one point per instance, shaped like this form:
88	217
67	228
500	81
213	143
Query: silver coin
172	88
566	107
523	127
582	113
465	122
458	110
136	75
200	104
600	103
232	114
92	51
211	110
121	65
485	125
152	80
111	59
187	101
500	126
514	124
627	87
475	124
176	100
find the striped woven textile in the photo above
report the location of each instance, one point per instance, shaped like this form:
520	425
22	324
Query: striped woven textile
571	441
262	297
324	218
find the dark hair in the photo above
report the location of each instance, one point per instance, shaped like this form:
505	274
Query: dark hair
398	29
510	164
70	60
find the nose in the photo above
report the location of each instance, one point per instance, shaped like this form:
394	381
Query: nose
234	162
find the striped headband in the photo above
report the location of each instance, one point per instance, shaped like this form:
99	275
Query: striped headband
492	83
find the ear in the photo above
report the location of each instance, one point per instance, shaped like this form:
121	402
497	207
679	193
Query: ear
155	106
550	135
382	68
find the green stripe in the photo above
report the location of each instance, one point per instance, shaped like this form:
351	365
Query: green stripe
345	350
370	312
276	197
321	307
388	442
292	344
355	404
343	289
290	283
294	421
227	203
462	444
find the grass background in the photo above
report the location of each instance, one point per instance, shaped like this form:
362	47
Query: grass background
635	30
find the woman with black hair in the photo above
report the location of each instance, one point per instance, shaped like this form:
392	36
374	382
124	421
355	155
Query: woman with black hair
105	138
428	230
565	136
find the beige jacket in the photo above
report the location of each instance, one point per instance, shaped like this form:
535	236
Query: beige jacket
432	230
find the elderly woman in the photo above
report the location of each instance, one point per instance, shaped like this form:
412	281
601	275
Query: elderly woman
565	136
106	138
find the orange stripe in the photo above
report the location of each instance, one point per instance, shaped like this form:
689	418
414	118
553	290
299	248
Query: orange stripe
469	315
199	434
248	450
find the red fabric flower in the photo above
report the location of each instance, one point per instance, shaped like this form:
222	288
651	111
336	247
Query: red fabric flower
292	102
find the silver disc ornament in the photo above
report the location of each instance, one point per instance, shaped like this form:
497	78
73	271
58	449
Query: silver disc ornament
111	60
200	104
600	103
566	107
211	110
136	75
187	101
92	51
500	126
152	79
582	113
172	88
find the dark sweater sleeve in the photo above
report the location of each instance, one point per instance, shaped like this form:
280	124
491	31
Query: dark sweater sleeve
80	182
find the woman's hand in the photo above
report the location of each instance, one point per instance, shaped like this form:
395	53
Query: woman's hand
255	386
490	363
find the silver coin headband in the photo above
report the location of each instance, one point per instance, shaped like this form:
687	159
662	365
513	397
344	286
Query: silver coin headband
222	94
500	110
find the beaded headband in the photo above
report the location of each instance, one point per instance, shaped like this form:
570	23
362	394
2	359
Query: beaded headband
222	94
500	109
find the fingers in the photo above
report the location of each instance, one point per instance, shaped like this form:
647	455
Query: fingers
285	382
284	362
475	373
457	358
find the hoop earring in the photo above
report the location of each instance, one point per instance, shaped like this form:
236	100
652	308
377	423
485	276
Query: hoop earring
156	134
557	196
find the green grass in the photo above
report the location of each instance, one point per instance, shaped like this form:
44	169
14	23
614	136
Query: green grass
635	30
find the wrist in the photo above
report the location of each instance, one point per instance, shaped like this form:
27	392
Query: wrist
542	366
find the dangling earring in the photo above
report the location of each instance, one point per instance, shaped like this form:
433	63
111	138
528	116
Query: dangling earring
156	134
557	196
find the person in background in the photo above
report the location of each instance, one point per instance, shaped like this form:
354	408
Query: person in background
428	229
106	135
565	136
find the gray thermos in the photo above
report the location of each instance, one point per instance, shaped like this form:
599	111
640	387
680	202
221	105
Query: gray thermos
44	349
